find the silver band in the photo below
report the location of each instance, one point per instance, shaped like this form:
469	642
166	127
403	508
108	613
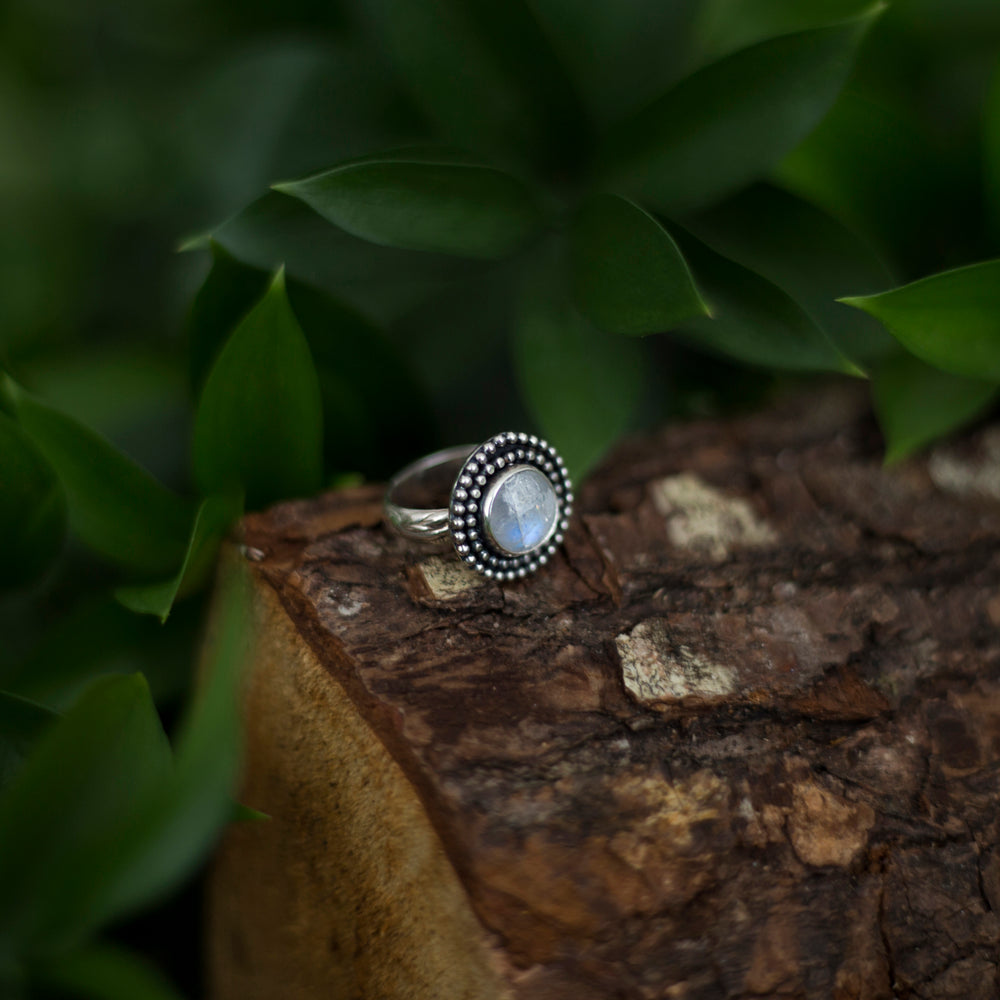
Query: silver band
422	522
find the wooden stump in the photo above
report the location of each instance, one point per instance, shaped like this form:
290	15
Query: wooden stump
740	740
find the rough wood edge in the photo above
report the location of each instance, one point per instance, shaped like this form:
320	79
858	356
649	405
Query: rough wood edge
346	891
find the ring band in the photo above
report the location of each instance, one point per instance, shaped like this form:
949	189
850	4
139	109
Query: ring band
421	522
510	503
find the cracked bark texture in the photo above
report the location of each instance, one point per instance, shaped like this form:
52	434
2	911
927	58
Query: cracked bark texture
740	740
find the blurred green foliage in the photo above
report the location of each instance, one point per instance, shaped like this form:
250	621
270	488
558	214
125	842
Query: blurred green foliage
415	222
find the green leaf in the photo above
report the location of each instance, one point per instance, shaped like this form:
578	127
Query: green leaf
21	723
728	123
246	814
104	972
94	637
258	111
726	25
108	388
484	73
620	55
991	145
581	385
97	822
752	319
383	282
807	254
224	298
259	424
916	404
115	507
32	508
452	208
215	516
132	394
375	412
895	191
951	320
62	818
485	304
171	835
628	274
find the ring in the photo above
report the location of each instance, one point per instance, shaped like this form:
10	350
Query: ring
510	503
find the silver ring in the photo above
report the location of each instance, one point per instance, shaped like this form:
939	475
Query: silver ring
510	503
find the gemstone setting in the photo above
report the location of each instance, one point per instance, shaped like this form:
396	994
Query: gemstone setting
519	508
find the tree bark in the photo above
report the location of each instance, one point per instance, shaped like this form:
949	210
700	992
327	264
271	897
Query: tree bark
740	739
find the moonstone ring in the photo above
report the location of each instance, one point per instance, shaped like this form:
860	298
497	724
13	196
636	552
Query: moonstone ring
510	503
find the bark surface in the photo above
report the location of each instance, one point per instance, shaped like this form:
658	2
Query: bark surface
740	739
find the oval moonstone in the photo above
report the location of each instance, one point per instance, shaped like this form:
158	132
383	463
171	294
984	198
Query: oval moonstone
521	510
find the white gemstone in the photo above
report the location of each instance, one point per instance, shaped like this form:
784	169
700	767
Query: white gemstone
521	510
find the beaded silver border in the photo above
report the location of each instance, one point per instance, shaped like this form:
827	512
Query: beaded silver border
465	508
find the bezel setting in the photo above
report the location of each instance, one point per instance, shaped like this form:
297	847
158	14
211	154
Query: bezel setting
480	475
